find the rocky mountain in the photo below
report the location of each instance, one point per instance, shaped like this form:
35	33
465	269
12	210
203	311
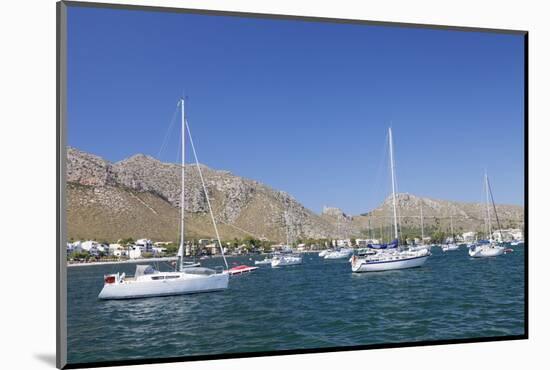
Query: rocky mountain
140	197
437	215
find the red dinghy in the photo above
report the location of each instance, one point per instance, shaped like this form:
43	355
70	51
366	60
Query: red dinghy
241	269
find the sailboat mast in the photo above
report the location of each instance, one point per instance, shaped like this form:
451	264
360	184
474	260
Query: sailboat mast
182	201
487	205
393	186
370	231
452	231
495	209
286	229
422	222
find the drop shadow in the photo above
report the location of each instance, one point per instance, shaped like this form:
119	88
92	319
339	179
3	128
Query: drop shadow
47	358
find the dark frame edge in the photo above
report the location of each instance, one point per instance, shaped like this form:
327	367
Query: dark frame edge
526	177
61	109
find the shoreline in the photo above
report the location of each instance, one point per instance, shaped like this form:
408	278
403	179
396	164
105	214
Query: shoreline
157	259
160	259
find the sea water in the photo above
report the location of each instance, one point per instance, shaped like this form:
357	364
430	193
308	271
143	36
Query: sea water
320	303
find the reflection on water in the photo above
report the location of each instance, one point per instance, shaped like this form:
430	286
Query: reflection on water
317	304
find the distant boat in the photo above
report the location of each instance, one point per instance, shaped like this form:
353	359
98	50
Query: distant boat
390	257
421	246
188	264
325	252
451	245
287	257
339	254
286	260
265	261
487	248
148	282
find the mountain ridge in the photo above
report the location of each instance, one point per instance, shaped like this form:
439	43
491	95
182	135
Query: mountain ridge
140	196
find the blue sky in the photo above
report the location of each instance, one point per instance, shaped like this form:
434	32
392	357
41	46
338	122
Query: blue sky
304	107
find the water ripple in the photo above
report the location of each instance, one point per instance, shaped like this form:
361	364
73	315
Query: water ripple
318	304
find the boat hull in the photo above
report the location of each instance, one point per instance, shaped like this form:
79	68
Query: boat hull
450	247
168	287
362	266
263	262
281	262
486	252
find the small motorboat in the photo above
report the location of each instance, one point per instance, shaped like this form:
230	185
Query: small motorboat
338	254
449	247
265	261
187	264
241	269
325	252
286	260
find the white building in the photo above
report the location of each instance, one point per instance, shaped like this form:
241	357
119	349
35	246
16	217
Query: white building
508	234
160	244
213	248
362	243
119	253
341	242
91	247
134	252
145	245
469	236
103	248
117	250
74	247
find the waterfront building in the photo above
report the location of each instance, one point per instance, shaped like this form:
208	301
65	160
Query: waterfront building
145	245
134	252
91	247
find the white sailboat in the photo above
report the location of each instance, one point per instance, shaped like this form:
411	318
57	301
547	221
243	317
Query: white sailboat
450	246
148	282
287	258
487	248
421	245
393	258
